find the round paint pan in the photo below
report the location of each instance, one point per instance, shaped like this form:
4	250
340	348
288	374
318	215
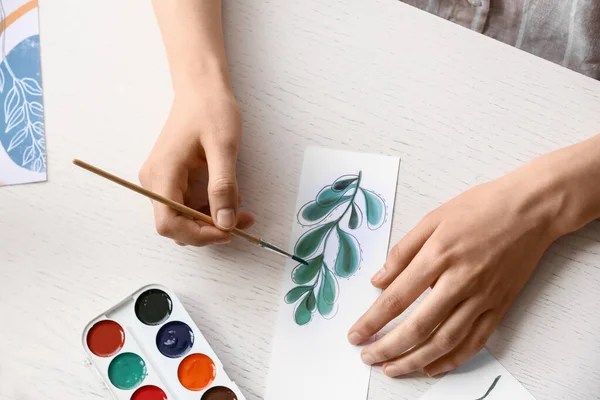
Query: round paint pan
153	307
219	393
175	339
106	338
127	371
149	392
196	372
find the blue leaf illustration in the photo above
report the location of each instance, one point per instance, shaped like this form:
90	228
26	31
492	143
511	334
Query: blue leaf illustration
38	129
28	155
12	102
17	140
15	119
31	86
36	109
22	125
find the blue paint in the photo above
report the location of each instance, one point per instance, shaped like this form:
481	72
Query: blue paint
175	339
22	131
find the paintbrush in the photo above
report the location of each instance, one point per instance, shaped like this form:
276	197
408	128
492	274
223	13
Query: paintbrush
190	212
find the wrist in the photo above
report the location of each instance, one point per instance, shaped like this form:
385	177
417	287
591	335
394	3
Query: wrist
200	77
563	187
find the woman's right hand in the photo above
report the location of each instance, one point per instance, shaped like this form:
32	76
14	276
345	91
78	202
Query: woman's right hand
202	135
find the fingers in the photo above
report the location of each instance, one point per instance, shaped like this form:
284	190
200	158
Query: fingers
171	224
443	340
403	253
245	220
407	287
418	326
480	332
222	183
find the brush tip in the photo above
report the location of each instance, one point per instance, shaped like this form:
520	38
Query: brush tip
301	261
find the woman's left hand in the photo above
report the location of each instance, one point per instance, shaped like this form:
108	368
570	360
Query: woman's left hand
476	252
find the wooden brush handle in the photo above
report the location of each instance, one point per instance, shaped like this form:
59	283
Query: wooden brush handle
190	212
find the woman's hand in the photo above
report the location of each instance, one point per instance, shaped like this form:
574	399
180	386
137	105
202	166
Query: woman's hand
202	134
476	252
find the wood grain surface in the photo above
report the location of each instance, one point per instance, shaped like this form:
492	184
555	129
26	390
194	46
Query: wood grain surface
373	76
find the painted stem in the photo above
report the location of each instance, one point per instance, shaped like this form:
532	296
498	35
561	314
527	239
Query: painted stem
337	222
490	388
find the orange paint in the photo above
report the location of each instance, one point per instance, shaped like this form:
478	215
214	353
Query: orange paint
106	338
196	372
18	13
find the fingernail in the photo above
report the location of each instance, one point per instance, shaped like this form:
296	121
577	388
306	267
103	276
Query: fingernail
391	371
368	358
378	275
223	241
355	338
226	218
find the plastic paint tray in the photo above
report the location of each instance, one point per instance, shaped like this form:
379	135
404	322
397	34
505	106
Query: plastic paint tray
148	348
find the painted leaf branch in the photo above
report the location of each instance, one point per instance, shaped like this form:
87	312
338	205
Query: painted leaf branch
336	211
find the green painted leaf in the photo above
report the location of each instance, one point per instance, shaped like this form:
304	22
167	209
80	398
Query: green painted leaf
305	273
355	220
303	315
327	294
343	182
311	301
375	209
311	240
293	295
348	257
328	197
313	212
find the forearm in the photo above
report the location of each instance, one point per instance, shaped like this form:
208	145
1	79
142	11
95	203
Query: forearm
193	35
564	185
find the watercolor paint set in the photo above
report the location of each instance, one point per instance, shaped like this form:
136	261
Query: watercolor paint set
148	348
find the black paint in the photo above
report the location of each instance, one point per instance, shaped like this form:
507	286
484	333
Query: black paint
153	307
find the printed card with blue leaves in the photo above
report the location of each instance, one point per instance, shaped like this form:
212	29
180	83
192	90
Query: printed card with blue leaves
22	132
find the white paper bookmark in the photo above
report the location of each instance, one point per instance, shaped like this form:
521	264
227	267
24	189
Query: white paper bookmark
345	205
481	378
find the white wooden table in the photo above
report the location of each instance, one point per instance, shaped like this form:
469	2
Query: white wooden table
373	76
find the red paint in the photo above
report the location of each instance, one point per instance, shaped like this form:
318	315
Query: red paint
106	338
149	393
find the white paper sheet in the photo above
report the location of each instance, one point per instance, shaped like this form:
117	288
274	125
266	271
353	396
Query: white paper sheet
312	359
22	132
483	377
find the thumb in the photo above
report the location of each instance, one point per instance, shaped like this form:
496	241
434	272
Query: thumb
222	186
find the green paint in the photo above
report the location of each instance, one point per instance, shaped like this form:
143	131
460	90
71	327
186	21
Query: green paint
317	287
310	242
127	371
490	388
375	207
303	274
348	257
